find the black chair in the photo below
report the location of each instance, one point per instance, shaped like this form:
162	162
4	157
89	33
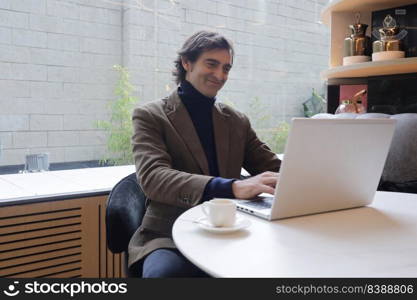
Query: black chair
125	209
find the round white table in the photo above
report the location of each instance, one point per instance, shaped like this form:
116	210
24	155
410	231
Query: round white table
379	240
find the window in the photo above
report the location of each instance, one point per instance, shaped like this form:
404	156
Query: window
57	76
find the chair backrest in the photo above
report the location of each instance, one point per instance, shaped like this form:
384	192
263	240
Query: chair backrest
401	164
126	206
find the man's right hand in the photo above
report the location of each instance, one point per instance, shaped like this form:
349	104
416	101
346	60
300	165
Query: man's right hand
252	187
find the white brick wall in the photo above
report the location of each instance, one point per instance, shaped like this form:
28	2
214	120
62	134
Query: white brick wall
12	19
80	153
12	89
56	59
63	9
5	4
28	72
196	17
56	154
63	42
11	122
45	23
46	122
63	138
46	89
28	38
29	6
78	122
13	156
5	35
29	139
6	140
94	14
22	106
92	138
63	74
61	107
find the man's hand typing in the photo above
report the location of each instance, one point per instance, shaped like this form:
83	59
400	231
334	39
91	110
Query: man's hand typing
252	187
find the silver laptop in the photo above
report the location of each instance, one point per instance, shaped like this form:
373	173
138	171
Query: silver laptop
329	164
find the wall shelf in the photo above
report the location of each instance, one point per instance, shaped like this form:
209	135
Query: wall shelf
372	68
337	6
338	15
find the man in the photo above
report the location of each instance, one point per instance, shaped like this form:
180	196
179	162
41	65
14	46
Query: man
188	148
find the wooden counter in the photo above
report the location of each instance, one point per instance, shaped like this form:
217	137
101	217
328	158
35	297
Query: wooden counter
52	224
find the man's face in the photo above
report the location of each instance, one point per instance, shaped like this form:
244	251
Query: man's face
209	72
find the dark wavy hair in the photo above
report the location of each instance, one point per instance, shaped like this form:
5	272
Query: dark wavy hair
195	45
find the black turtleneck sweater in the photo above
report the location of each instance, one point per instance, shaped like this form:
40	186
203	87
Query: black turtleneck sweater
200	109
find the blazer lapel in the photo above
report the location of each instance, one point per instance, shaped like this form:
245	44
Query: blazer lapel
180	119
222	138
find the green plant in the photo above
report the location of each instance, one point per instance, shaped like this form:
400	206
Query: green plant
314	105
275	135
258	113
119	127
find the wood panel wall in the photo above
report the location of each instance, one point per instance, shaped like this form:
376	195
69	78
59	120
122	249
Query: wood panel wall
65	238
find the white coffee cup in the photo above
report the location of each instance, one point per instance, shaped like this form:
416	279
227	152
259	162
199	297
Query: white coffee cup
220	212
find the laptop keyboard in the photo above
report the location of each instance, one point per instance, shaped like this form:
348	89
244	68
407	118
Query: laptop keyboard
264	202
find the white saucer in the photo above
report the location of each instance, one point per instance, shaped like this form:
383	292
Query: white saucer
240	223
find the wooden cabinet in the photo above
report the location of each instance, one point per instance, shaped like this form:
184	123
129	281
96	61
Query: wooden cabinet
61	238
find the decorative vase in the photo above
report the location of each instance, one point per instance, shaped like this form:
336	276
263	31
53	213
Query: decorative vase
389	44
356	47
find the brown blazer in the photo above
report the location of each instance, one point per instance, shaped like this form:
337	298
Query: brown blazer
172	168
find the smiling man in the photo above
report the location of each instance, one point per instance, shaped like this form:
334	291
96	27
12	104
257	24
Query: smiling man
189	148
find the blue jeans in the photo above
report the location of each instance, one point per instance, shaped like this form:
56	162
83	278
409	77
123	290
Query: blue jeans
164	263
